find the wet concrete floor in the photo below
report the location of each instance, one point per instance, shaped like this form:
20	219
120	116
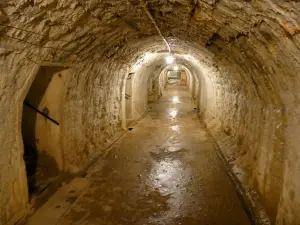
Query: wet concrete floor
165	171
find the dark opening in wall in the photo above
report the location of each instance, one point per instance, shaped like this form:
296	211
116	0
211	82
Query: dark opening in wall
177	77
174	76
41	128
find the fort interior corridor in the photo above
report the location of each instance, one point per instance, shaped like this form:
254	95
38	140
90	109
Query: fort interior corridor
149	112
164	171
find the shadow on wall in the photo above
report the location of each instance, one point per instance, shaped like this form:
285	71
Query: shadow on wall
41	130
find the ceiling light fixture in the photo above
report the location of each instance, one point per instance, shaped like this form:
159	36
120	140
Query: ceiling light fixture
175	67
170	59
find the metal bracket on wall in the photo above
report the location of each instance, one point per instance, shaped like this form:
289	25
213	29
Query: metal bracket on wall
129	76
40	112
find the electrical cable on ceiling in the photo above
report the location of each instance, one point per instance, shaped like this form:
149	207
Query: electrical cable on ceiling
144	5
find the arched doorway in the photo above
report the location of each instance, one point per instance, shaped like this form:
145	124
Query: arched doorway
41	130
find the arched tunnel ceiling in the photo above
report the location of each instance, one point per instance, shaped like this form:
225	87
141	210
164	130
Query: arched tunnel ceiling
247	51
234	32
156	61
83	29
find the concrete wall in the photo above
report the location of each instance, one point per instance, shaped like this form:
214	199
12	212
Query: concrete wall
128	96
183	77
140	93
146	87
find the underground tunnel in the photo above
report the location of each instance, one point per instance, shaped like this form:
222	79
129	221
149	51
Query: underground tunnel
149	112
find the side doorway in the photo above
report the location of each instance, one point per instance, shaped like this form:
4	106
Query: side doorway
41	130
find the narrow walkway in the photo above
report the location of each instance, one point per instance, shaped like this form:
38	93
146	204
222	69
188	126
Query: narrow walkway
165	171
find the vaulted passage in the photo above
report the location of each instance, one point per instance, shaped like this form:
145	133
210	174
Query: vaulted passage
80	77
164	171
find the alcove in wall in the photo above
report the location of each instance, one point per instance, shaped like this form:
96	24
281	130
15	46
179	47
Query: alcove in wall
41	130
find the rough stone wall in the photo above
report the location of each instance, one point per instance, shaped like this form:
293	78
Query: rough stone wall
249	82
247	117
247	128
256	121
92	114
13	188
245	125
257	84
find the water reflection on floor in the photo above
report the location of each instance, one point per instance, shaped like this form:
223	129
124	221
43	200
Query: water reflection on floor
164	171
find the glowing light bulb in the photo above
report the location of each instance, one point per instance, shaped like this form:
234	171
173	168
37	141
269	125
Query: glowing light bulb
175	67
169	59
